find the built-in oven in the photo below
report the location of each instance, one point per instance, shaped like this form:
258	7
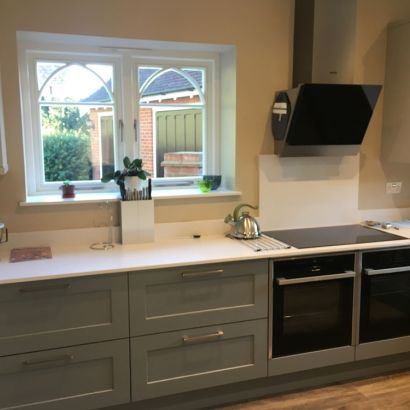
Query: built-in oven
312	312
385	303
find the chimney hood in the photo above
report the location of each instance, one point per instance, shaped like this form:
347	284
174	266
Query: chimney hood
325	113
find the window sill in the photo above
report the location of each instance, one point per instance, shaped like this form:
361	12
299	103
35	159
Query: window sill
161	194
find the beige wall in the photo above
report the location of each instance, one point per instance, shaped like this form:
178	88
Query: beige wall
372	19
261	31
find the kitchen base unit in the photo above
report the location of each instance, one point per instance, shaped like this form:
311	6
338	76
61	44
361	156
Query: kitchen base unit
192	359
64	312
80	377
209	398
192	296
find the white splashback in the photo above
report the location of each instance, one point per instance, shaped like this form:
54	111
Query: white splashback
303	192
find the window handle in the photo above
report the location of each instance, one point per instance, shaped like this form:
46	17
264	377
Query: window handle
121	129
136	130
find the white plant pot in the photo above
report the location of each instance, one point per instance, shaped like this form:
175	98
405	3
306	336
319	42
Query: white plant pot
132	183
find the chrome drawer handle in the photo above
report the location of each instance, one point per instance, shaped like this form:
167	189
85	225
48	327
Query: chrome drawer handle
64	286
373	272
203	274
202	338
65	358
320	278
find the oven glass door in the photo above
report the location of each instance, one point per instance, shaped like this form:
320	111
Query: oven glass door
312	316
385	304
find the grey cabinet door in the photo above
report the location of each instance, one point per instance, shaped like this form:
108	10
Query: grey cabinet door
204	295
192	359
50	314
81	377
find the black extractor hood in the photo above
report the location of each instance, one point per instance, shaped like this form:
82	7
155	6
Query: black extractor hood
322	119
324	114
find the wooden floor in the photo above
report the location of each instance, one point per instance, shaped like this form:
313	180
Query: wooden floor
378	393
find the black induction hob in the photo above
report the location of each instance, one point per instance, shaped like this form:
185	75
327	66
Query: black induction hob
331	236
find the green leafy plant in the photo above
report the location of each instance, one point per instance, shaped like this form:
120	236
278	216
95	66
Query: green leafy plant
131	169
68	189
205	186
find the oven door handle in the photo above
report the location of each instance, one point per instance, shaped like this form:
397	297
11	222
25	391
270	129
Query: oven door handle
374	272
319	278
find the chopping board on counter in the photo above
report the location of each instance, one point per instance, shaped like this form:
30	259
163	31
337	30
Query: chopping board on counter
30	254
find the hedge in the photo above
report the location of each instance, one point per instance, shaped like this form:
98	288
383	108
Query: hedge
67	157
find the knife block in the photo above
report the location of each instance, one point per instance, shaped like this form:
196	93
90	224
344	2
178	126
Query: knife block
137	221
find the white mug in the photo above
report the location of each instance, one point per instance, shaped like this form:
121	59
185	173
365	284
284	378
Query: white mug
3	233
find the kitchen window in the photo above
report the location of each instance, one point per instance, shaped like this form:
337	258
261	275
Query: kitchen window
87	104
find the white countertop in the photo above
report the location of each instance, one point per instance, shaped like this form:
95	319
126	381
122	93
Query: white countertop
80	260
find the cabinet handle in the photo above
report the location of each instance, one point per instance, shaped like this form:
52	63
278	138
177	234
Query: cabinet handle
373	272
203	274
202	338
64	286
65	357
320	278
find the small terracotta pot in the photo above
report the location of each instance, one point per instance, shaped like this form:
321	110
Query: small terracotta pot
68	191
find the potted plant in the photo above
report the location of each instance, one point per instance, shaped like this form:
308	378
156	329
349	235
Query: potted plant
128	178
67	189
205	186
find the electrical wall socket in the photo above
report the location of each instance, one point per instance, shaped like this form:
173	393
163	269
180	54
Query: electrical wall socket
393	187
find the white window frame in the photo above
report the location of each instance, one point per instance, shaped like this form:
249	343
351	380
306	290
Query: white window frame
210	160
125	60
99	116
31	119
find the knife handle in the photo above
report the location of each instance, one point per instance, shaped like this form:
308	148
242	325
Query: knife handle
149	188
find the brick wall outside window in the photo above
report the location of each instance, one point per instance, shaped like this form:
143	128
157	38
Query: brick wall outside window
146	143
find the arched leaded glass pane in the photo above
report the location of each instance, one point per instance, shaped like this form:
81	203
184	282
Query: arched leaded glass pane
144	73
198	75
105	72
171	85
45	70
78	84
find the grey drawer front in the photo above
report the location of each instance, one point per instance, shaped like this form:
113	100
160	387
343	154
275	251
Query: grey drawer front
81	377
50	314
166	364
204	295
